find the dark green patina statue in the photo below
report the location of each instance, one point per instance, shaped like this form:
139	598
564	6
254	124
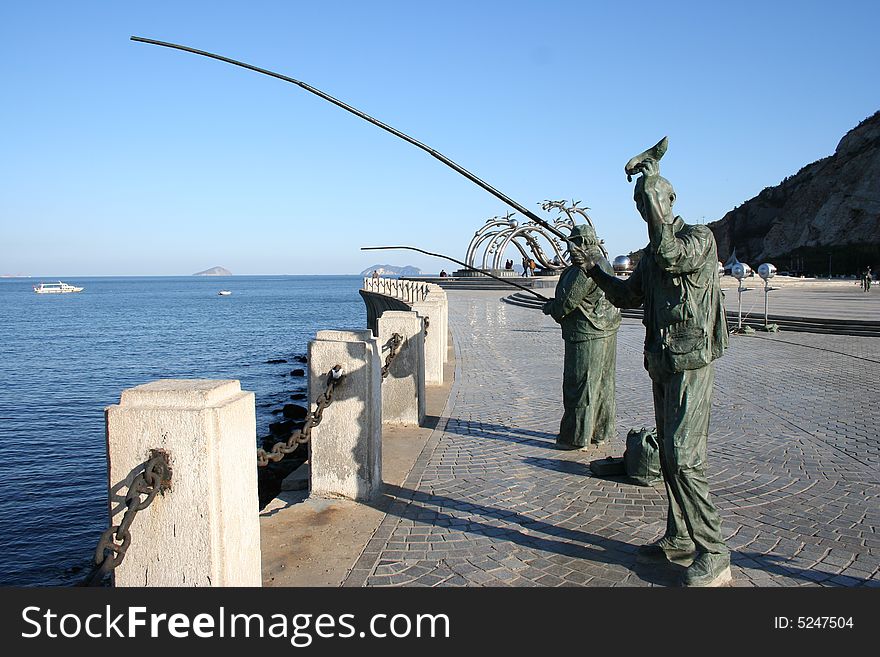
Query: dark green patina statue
589	328
685	331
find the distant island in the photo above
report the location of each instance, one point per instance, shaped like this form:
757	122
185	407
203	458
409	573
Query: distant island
214	271
392	270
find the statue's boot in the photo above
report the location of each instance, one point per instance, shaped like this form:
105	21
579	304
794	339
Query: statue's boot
665	550
708	569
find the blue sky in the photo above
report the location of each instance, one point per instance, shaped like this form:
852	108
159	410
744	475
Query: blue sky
122	158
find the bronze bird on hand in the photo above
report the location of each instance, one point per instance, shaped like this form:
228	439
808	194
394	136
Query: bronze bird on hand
656	151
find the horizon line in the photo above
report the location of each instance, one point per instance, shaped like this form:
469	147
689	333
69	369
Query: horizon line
53	276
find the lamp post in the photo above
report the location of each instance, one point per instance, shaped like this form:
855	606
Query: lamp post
767	271
740	270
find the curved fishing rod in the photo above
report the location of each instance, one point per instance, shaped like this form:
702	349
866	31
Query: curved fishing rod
467	174
458	262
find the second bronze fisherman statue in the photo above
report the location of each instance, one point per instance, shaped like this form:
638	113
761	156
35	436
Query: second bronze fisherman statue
589	328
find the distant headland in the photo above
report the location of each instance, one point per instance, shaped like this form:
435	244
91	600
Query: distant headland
214	271
392	270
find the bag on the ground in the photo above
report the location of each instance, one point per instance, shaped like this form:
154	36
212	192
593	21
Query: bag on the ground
611	466
642	456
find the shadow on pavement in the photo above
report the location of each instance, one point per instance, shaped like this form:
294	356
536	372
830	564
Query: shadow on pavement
779	565
494	431
561	465
424	508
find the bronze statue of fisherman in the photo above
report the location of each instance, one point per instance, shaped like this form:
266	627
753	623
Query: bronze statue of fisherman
677	282
589	328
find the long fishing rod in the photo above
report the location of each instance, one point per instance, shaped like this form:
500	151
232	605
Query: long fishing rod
458	262
445	160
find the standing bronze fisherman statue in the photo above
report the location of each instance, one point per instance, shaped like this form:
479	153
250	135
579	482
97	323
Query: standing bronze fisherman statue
589	328
685	331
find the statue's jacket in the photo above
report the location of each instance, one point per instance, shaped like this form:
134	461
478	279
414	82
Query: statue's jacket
677	282
581	308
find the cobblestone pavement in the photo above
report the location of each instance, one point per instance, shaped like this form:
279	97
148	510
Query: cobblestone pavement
793	463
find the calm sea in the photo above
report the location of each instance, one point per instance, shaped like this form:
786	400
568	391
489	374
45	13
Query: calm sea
64	357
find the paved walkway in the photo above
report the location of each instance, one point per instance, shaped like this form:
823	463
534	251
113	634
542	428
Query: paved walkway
794	466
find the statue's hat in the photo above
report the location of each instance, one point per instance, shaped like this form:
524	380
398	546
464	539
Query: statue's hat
584	232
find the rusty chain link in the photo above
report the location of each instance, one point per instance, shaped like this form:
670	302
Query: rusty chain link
115	540
393	344
300	436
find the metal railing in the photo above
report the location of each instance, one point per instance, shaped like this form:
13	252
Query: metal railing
406	291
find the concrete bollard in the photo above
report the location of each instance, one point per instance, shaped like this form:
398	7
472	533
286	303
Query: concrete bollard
431	311
403	390
205	530
436	293
345	451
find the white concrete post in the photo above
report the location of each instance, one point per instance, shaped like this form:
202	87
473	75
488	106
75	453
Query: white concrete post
205	530
431	310
403	390
345	451
436	293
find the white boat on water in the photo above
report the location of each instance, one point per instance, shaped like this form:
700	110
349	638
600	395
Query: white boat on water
56	288
224	293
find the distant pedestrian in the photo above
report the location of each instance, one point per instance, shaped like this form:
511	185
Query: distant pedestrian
869	276
375	273
443	273
525	266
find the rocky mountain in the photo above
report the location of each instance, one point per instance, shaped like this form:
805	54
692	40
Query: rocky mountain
828	211
392	270
214	271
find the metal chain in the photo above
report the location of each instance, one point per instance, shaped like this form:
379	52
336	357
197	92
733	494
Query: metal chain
394	343
116	540
300	436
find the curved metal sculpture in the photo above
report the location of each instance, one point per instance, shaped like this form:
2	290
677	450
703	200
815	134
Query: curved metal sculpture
527	233
498	233
480	235
492	246
498	246
523	237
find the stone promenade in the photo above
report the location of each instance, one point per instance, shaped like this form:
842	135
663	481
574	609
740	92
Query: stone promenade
794	464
